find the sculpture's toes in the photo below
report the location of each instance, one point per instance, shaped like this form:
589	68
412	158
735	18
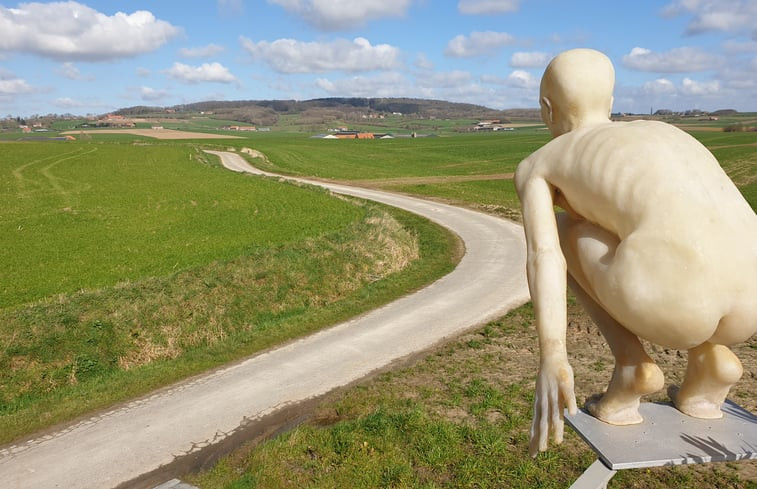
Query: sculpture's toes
619	414
697	407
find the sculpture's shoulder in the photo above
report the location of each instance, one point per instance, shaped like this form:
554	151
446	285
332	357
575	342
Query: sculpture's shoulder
630	137
636	147
565	154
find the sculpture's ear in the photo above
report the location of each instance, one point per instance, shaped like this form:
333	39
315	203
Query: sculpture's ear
612	101
546	103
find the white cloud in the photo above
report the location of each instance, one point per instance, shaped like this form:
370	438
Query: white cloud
334	15
471	93
201	52
529	60
71	31
494	79
14	86
391	84
68	70
423	63
151	94
523	79
478	43
678	60
207	72
447	79
660	86
68	103
691	87
143	72
733	16
485	7
737	47
292	56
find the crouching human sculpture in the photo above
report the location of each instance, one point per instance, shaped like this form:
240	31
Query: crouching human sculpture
654	240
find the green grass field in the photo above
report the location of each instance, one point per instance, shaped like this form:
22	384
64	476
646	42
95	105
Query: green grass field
472	154
129	267
78	216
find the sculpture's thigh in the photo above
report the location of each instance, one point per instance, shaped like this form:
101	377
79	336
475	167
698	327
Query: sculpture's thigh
589	251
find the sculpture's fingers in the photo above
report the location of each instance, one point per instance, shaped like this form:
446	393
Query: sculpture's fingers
558	425
544	422
568	397
571	401
556	416
533	445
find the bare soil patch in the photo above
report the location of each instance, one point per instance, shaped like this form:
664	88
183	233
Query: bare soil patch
156	133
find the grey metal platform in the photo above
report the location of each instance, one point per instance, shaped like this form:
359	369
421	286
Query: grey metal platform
666	437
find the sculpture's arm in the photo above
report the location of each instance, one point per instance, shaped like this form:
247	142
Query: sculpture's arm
547	277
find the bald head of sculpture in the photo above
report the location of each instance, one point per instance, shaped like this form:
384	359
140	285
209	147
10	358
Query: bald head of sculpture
576	90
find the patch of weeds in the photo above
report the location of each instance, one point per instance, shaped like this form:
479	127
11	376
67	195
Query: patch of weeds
599	366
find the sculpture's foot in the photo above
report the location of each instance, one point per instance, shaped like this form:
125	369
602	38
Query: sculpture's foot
617	415
710	373
695	407
620	404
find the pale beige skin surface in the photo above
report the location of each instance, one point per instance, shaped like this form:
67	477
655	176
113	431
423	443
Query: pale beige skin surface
657	243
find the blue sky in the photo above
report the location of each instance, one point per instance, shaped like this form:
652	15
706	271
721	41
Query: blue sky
95	56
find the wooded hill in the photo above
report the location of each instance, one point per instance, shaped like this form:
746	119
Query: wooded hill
267	112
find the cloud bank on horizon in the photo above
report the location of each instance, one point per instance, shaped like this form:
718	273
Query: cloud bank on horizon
93	56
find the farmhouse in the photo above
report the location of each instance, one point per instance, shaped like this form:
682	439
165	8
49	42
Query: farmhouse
239	128
491	125
353	135
113	120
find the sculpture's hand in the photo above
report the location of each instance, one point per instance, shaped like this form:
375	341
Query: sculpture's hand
554	391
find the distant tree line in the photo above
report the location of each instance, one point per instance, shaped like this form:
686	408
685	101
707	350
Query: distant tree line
266	112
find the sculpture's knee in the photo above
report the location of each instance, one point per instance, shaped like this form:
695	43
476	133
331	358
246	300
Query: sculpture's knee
649	378
730	371
717	362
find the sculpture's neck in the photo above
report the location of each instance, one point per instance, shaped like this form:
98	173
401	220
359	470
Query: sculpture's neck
577	121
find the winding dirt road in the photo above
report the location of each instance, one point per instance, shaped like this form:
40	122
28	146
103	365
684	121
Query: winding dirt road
175	424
